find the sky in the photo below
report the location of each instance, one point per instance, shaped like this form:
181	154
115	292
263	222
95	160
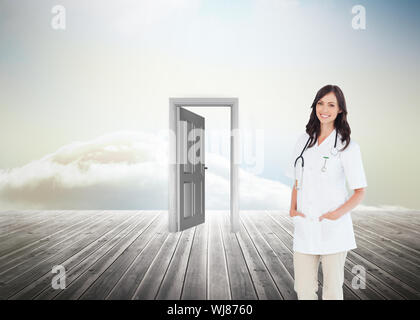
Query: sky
84	110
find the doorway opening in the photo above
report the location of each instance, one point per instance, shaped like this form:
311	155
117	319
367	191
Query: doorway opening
186	186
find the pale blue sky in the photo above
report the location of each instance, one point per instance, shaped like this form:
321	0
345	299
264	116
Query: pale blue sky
116	64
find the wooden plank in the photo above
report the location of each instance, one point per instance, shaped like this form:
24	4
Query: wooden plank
11	222
77	287
410	228
8	274
405	218
195	283
261	276
271	252
107	260
55	258
6	215
38	233
361	256
408	273
173	281
376	288
384	283
35	251
409	224
218	279
408	252
241	285
348	292
78	264
21	224
286	238
103	285
43	284
151	282
8	230
127	285
409	240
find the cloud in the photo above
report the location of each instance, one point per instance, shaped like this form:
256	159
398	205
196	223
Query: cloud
124	170
128	170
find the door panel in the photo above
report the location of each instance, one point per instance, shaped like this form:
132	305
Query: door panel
191	172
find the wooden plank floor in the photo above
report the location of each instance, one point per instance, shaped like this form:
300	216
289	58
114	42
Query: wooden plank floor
131	255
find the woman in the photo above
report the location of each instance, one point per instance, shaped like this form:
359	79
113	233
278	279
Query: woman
320	204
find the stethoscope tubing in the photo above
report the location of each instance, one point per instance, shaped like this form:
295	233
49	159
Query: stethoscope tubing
303	150
307	142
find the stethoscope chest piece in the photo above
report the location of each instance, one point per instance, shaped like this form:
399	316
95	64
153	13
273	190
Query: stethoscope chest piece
299	175
334	151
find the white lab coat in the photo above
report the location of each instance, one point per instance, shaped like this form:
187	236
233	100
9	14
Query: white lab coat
322	192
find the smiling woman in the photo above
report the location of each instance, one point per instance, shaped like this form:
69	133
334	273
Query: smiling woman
329	107
320	207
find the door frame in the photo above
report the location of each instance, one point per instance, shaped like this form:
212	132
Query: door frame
174	104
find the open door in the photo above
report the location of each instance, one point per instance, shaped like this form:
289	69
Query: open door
190	169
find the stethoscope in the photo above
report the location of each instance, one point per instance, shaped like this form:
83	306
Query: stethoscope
333	151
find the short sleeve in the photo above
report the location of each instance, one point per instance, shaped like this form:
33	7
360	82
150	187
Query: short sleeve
352	163
290	171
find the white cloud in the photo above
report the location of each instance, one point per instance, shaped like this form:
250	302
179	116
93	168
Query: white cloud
129	170
124	170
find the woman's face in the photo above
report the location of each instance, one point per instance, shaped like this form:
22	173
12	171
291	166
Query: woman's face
327	108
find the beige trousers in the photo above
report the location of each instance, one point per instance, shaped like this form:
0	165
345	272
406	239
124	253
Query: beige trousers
306	275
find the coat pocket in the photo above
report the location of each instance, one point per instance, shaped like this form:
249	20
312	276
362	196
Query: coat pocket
299	224
330	230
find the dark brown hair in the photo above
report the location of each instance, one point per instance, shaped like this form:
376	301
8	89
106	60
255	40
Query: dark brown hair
313	128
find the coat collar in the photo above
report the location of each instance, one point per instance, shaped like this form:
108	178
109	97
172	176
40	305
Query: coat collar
328	139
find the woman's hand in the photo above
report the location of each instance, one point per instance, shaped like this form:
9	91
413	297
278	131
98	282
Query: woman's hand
294	213
350	204
333	215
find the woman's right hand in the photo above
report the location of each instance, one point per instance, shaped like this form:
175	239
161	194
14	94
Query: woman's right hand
294	213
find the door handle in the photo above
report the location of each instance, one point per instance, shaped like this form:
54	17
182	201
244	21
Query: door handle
205	168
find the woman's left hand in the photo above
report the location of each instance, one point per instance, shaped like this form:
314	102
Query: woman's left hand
330	216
